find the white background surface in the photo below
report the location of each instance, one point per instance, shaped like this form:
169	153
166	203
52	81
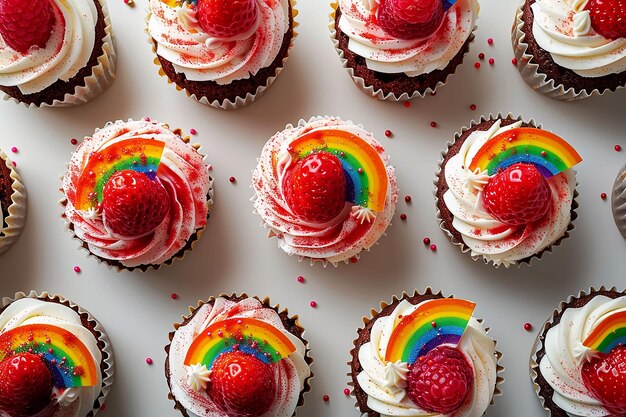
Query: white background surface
234	253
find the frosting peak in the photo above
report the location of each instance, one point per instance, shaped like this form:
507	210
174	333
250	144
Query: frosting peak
199	376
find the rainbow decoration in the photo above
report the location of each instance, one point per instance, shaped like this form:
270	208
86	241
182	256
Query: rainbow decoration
608	334
434	323
546	151
367	187
247	335
69	361
141	155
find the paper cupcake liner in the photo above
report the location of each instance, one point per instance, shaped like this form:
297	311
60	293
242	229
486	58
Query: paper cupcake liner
379	93
464	248
431	295
538	345
108	370
117	265
228	104
530	70
17	210
352	256
266	303
618	201
102	74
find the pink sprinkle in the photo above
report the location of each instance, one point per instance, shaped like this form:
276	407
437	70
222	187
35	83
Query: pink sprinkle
403	216
433	124
617	148
193	131
346	391
77	269
146	119
603	196
73	141
426	241
407	198
149	361
313	304
388	133
433	248
492	61
14	149
14	164
326	398
232	179
514	61
407	104
300	279
481	56
528	327
490	41
174	296
477	65
473	107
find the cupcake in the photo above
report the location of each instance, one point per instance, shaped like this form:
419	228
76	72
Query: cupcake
578	363
618	201
424	355
505	190
571	49
325	190
55	52
238	356
137	194
12	204
55	358
221	52
398	50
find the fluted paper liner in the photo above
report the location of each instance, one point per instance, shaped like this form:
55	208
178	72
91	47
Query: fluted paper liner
228	104
379	93
266	303
618	201
431	295
464	248
102	74
191	242
538	345
530	70
17	210
107	365
270	233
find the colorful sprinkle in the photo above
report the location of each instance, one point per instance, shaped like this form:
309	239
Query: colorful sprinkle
528	327
514	61
617	148
14	149
433	324
407	198
492	61
490	41
477	65
300	279
149	361
193	131
313	304
603	196
403	217
77	269
433	248
426	241
346	391
388	133
481	56
232	179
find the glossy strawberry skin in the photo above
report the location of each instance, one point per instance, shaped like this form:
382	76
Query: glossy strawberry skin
226	18
25	24
605	377
25	385
608	17
410	19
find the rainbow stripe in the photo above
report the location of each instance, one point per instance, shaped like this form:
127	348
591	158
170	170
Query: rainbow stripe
251	336
546	151
608	334
434	323
69	361
141	155
367	188
448	3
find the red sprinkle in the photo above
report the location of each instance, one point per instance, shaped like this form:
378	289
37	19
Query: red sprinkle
426	241
232	179
403	216
514	61
193	131
490	41
103	407
473	107
15	164
388	133
407	104
407	198
617	148
481	56
544	154
354	259
433	93
149	361
77	269
174	296
528	327
433	248
325	398
477	65
300	279
433	124
14	149
433	324
313	304
603	196
73	141
146	119
346	391
492	61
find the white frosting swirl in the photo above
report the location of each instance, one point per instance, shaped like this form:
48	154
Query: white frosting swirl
203	58
67	51
391	399
486	236
78	401
386	54
563	28
290	372
186	181
338	240
565	356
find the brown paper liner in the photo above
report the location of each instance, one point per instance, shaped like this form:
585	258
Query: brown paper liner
464	248
17	210
618	201
107	366
291	321
384	310
542	388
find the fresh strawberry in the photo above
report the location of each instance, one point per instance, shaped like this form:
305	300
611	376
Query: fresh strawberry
410	19
605	377
24	24
226	18
315	189
134	204
25	385
608	17
440	381
241	385
518	195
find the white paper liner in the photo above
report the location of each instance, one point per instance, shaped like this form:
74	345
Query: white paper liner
108	374
228	104
464	248
429	291
530	70
102	74
534	365
618	201
143	268
312	261
266	303
17	210
379	93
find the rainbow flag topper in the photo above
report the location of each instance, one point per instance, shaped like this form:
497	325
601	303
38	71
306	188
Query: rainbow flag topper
141	155
247	335
69	361
546	151
364	169
608	333
434	323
